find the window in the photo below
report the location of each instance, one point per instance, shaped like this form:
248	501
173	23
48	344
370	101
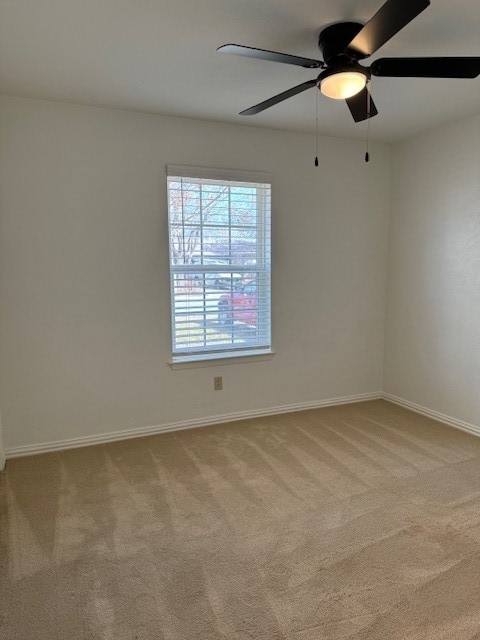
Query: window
219	234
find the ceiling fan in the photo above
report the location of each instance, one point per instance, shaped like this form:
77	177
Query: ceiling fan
342	46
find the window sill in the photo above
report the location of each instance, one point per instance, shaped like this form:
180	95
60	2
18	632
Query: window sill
195	362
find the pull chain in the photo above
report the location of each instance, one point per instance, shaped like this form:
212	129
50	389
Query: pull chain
316	128
369	103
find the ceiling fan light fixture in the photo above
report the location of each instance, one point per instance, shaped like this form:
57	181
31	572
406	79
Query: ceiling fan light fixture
341	85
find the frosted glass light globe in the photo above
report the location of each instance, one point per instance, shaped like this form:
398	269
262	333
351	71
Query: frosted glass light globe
342	85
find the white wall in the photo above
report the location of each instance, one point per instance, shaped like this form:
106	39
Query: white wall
84	317
432	351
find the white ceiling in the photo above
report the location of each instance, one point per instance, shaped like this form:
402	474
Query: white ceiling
159	56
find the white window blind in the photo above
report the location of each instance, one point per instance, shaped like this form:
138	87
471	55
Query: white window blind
219	234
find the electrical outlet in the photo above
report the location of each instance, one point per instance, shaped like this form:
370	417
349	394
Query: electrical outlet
218	383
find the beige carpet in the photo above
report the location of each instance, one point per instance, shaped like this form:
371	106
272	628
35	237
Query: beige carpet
360	521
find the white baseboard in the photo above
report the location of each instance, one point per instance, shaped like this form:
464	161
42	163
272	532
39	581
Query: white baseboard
125	434
435	415
137	432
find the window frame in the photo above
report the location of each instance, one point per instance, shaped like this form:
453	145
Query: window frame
199	357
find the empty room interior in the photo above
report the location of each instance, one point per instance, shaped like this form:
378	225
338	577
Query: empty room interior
239	320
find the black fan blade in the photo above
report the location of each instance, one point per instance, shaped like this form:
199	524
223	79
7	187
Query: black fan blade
427	67
361	104
389	20
263	54
280	98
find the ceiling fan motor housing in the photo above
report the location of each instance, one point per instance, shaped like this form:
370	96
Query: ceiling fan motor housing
333	42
